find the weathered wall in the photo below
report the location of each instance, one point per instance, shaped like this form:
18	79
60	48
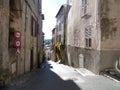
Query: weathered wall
15	24
4	21
22	21
77	22
4	30
16	15
91	58
40	35
110	33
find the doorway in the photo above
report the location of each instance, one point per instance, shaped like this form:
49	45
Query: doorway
38	60
31	59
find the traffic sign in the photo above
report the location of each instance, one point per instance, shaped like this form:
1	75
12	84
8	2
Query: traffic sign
17	43
17	34
18	52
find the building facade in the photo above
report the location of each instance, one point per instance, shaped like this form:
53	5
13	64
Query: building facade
61	32
92	34
24	17
53	55
60	23
4	31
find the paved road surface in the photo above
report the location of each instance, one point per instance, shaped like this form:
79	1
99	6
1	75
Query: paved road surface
53	76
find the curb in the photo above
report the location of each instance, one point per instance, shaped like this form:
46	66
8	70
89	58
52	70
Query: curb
84	72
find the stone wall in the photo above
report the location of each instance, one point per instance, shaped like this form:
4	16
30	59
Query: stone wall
16	15
4	30
110	33
91	58
77	23
104	19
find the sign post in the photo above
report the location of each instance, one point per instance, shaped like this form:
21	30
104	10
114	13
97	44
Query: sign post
17	34
17	44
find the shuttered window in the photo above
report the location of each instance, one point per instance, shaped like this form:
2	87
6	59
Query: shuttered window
84	7
88	37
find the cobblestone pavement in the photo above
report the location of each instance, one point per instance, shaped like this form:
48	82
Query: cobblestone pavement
53	76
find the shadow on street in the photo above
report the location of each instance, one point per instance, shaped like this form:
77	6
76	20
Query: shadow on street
44	79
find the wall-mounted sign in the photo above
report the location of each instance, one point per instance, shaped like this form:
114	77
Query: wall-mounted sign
17	34
17	43
18	52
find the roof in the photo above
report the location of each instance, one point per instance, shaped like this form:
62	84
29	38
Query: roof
62	6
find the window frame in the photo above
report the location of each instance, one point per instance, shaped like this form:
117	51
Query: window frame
34	27
84	9
88	37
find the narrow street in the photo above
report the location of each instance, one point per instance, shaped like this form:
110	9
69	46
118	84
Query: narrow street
54	76
38	36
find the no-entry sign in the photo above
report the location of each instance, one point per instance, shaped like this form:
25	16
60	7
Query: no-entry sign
17	34
17	43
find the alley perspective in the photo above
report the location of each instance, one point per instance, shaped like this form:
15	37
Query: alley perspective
54	76
83	52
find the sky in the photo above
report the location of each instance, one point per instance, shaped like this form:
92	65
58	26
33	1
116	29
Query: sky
50	8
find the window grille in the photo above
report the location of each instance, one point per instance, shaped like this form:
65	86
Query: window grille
88	37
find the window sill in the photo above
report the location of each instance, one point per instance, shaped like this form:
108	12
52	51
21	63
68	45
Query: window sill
86	15
88	48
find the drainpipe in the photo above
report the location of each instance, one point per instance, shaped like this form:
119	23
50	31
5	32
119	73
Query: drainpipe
25	35
37	35
117	65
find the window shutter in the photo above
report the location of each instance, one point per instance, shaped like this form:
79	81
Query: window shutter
88	36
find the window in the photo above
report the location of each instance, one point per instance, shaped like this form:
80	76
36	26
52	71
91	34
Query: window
88	37
33	27
84	7
88	42
36	29
43	18
11	37
59	38
76	37
59	26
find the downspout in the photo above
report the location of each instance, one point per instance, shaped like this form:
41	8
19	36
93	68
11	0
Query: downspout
25	35
65	34
37	36
37	33
117	65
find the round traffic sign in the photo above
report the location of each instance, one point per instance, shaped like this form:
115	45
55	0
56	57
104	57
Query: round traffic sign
17	43
17	34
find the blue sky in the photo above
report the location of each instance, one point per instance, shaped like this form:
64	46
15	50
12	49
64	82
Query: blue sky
50	9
